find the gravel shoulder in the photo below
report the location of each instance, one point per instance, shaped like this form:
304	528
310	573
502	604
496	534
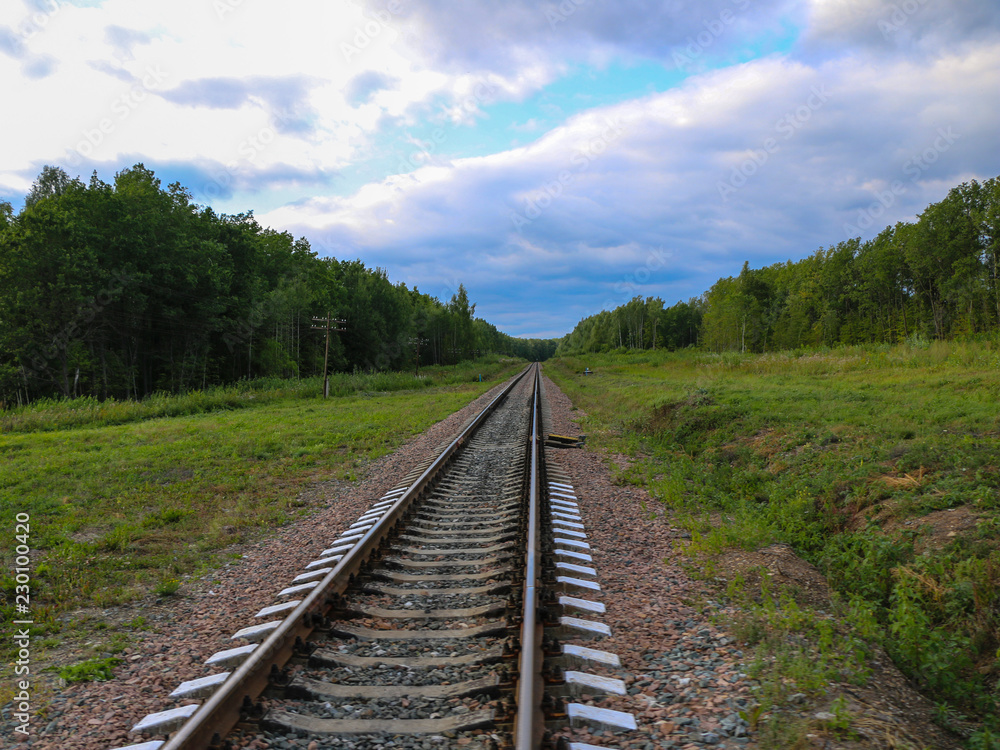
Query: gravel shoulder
685	671
685	676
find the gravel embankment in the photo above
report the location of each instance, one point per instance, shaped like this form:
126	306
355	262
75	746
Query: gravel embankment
684	675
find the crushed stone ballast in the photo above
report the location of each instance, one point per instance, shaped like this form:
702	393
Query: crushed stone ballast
419	619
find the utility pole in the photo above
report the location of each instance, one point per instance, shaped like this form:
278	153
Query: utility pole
417	341
655	321
329	324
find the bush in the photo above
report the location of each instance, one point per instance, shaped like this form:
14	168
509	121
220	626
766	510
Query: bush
92	669
167	587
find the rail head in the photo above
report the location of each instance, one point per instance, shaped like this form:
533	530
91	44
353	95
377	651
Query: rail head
221	711
529	723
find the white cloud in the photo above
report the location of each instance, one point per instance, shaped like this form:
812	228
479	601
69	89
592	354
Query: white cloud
805	141
610	186
919	27
458	34
221	78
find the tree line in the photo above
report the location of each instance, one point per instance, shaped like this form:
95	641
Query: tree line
122	290
638	324
936	277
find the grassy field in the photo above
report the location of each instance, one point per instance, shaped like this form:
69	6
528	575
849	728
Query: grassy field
859	458
124	498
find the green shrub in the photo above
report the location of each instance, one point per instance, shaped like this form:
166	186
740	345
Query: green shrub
167	587
92	669
861	564
118	539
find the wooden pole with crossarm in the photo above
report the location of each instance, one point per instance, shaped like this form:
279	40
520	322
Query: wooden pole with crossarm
329	324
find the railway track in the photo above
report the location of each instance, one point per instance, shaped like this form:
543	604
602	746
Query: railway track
457	611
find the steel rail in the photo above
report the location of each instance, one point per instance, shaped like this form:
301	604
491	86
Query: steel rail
216	717
529	722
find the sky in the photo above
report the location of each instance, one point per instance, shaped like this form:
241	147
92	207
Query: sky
556	158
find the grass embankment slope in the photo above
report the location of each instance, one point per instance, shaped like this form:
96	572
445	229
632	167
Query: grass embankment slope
126	497
861	459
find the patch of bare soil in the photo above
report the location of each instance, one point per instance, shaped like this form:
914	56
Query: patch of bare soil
940	528
784	570
887	712
936	529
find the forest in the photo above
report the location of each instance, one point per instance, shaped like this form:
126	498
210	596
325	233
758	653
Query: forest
127	289
935	278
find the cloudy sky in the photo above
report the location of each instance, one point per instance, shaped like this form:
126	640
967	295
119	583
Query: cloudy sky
555	157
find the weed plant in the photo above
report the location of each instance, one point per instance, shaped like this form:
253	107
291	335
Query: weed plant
92	669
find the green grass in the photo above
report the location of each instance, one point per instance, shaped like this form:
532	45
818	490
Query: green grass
832	452
92	669
797	651
59	414
126	499
167	587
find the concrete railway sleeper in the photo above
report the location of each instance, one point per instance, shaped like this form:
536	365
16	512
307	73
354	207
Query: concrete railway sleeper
457	611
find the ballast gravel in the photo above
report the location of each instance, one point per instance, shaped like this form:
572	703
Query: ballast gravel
438	647
684	676
439	601
383	708
395	676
